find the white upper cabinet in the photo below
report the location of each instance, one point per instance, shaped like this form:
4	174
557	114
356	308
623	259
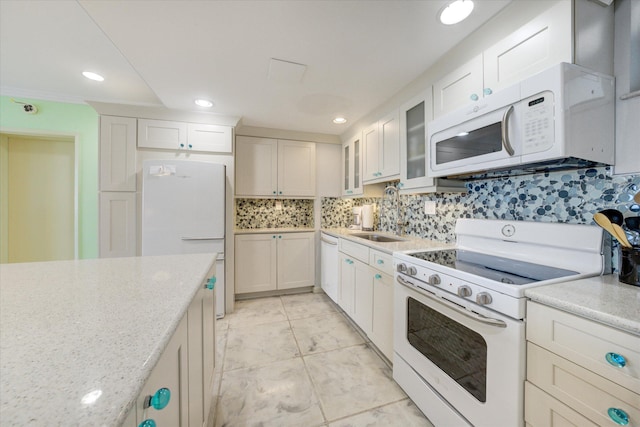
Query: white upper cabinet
168	135
352	166
458	87
117	153
296	168
381	149
415	115
542	42
275	168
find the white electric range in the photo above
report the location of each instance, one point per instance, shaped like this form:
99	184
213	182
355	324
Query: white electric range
459	314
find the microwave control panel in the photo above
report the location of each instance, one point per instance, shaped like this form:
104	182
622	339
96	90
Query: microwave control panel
538	125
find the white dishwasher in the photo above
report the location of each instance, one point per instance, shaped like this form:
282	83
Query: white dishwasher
329	265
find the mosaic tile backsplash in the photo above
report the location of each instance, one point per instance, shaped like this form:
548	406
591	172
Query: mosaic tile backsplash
262	213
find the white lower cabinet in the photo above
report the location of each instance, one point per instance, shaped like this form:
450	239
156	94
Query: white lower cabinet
185	369
171	372
117	224
269	262
579	372
365	292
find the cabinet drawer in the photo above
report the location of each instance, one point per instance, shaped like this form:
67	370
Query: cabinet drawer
382	261
582	390
359	252
542	410
585	343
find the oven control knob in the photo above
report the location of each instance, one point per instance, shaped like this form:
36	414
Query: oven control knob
483	298
434	279
412	271
464	291
401	268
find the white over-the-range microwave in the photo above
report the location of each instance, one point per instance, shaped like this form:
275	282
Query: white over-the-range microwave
560	118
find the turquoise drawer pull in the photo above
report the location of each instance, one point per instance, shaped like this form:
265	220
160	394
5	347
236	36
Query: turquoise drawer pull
211	282
348	261
147	423
380	262
618	416
159	400
616	360
377	276
487	91
474	97
400	185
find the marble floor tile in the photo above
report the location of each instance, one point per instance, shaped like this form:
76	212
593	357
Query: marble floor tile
403	413
279	394
256	345
257	311
325	332
307	305
351	380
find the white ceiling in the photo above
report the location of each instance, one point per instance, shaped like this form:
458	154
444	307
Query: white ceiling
167	53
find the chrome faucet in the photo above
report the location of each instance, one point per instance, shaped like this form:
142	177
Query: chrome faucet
399	222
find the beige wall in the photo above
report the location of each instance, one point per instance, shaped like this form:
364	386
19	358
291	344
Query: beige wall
40	198
4	202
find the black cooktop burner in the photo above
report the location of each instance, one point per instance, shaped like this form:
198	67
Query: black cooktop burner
492	267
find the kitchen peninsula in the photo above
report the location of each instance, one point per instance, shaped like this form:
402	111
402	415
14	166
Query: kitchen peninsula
79	339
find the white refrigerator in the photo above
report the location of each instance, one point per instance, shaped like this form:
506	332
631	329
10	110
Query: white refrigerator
183	212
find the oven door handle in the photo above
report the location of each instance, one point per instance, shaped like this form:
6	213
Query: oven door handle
475	316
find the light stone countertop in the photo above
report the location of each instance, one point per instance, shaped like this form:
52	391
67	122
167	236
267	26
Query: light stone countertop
71	328
271	230
602	298
409	243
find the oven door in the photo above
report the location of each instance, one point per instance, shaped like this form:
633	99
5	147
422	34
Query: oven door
476	363
485	135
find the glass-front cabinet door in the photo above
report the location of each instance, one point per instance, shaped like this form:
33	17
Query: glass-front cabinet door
352	166
414	116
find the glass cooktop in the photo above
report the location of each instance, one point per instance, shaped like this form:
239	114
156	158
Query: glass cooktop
492	267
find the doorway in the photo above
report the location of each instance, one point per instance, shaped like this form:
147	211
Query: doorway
37	198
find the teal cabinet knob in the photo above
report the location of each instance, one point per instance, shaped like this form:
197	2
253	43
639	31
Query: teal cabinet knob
274	192
181	145
380	262
348	261
190	146
618	416
273	237
615	359
211	282
159	400
147	423
279	237
378	276
400	185
280	192
487	91
474	97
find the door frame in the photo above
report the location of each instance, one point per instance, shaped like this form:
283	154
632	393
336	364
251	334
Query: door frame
76	154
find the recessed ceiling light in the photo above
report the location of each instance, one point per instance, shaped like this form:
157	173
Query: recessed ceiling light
456	11
93	76
339	120
204	103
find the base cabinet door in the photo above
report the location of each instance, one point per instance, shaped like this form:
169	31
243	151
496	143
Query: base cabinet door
363	303
117	224
296	260
255	263
347	288
171	372
382	325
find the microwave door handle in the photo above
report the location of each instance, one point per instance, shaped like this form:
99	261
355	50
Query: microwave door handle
505	131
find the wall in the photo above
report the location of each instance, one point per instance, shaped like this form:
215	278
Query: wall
262	213
57	118
568	197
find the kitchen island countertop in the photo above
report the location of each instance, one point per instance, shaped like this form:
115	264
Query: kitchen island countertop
601	298
78	339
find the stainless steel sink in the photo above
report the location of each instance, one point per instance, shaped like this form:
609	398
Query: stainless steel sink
378	238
